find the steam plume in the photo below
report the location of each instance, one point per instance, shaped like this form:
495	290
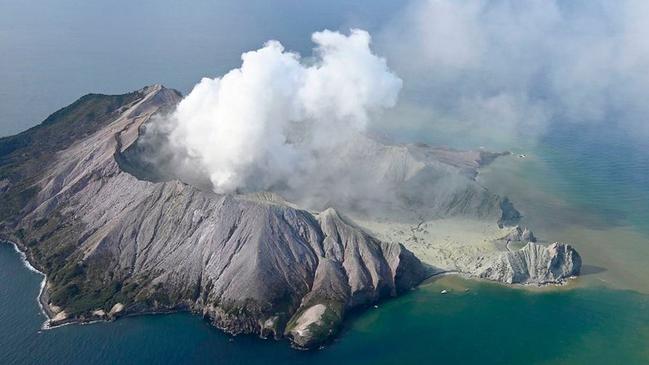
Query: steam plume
264	124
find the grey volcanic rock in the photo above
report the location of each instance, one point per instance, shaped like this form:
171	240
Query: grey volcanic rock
112	243
527	236
356	270
519	234
532	264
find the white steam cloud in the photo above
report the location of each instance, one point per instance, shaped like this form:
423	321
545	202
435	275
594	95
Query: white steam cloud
264	124
489	73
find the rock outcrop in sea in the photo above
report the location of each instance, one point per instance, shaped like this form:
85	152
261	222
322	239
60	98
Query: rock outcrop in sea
532	264
519	234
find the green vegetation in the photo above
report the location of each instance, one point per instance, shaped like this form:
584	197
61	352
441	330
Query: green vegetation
80	298
329	322
24	156
51	240
331	319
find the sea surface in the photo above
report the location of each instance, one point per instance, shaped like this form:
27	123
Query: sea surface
567	191
583	184
474	323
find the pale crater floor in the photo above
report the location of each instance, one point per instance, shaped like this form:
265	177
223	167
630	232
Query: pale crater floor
447	244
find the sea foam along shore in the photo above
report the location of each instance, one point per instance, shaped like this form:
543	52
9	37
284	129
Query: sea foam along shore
41	292
42	297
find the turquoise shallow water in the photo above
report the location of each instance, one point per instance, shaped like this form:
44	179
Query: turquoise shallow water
487	324
587	184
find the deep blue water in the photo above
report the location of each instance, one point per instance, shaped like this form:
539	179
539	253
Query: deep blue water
601	177
489	324
592	177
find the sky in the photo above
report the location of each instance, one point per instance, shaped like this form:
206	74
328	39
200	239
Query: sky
52	53
468	67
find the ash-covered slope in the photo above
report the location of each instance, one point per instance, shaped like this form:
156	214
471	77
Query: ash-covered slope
113	244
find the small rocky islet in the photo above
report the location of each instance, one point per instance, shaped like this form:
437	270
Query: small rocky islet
114	239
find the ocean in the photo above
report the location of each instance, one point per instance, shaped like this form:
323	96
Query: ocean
601	318
475	322
578	183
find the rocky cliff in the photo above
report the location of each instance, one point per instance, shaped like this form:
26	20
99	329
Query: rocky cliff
532	264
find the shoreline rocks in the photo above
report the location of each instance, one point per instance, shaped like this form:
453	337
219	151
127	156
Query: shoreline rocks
532	264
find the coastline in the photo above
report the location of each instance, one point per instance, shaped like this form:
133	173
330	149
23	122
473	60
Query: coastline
453	245
42	297
566	284
412	316
558	217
